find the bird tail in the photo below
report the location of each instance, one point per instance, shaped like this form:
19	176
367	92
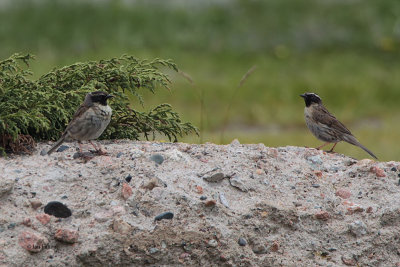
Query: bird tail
352	140
56	145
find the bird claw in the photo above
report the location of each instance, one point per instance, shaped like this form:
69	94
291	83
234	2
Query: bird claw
101	152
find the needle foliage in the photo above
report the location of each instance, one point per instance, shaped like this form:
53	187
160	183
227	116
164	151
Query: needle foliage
33	110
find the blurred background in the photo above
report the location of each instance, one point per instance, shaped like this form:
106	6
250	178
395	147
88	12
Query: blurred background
347	51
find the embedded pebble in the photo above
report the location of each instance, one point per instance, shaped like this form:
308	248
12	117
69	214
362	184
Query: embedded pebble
62	148
166	215
357	228
210	203
153	250
66	235
203	198
238	183
242	242
343	193
35	204
212	243
122	227
119	154
322	215
157	158
128	178
6	186
315	160
43	218
126	191
33	242
57	209
216	177
11	226
378	171
223	200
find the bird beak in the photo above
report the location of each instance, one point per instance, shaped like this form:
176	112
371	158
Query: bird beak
303	95
109	96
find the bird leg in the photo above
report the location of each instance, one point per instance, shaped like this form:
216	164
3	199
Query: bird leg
332	148
99	150
95	148
80	147
323	145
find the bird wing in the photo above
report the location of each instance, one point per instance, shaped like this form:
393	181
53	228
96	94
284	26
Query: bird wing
78	114
323	116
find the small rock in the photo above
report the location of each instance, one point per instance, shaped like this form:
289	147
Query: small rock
322	215
315	160
242	242
157	158
43	218
393	169
103	216
119	154
343	193
166	215
216	177
121	226
153	250
352	210
128	178
223	200
237	182
118	210
199	189
318	174
11	226
32	242
27	222
43	152
212	243
357	228
349	261
259	248
369	210
378	171
203	198
151	184
274	247
66	235
57	209
64	197
6	186
235	142
126	191
210	203
315	185
62	148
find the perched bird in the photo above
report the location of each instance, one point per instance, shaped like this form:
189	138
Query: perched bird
88	122
325	126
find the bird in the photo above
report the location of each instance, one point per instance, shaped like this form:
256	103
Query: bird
325	126
89	121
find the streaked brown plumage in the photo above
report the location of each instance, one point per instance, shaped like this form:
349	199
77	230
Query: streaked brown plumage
325	126
89	121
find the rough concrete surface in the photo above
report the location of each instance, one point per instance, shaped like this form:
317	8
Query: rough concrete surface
163	204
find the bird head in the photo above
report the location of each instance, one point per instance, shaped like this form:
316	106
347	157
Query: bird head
311	98
98	97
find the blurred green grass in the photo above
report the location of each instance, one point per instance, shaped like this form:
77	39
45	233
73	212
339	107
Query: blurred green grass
346	51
